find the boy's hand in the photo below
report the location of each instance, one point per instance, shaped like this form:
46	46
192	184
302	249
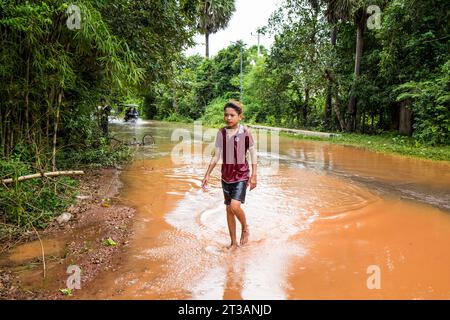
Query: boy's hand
205	182
252	182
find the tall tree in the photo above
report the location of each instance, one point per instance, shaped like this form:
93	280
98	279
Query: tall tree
298	57
336	10
214	15
345	10
360	19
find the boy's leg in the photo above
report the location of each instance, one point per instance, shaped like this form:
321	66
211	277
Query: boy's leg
231	220
240	214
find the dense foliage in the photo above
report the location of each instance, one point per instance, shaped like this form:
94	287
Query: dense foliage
58	64
334	66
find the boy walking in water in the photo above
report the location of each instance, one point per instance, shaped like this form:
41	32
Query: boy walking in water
232	144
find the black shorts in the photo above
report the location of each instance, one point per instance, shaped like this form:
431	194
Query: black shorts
234	190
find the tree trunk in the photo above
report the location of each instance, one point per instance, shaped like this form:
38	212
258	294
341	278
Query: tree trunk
405	118
328	102
334	36
328	106
352	106
337	111
56	131
174	100
207	44
40	175
305	108
51	104
334	93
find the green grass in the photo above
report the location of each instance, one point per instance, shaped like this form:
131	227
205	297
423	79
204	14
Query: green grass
387	143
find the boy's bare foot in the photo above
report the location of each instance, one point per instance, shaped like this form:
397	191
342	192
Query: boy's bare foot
233	246
244	235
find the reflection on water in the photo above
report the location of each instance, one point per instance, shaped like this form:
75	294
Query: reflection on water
316	224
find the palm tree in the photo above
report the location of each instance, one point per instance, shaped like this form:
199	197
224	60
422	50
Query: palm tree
213	16
337	10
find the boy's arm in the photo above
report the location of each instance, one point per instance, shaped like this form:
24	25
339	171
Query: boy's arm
254	160
214	159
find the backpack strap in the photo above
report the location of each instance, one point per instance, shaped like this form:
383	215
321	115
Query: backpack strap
224	145
247	140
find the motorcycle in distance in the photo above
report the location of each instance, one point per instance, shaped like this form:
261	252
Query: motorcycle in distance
131	114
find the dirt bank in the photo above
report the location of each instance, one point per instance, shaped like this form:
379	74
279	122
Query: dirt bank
97	216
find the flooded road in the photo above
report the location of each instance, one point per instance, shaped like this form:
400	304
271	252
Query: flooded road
331	222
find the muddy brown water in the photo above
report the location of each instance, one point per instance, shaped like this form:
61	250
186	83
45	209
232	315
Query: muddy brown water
320	223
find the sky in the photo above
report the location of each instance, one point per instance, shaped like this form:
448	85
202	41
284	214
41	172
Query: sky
249	15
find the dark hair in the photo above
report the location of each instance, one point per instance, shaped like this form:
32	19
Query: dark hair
236	105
